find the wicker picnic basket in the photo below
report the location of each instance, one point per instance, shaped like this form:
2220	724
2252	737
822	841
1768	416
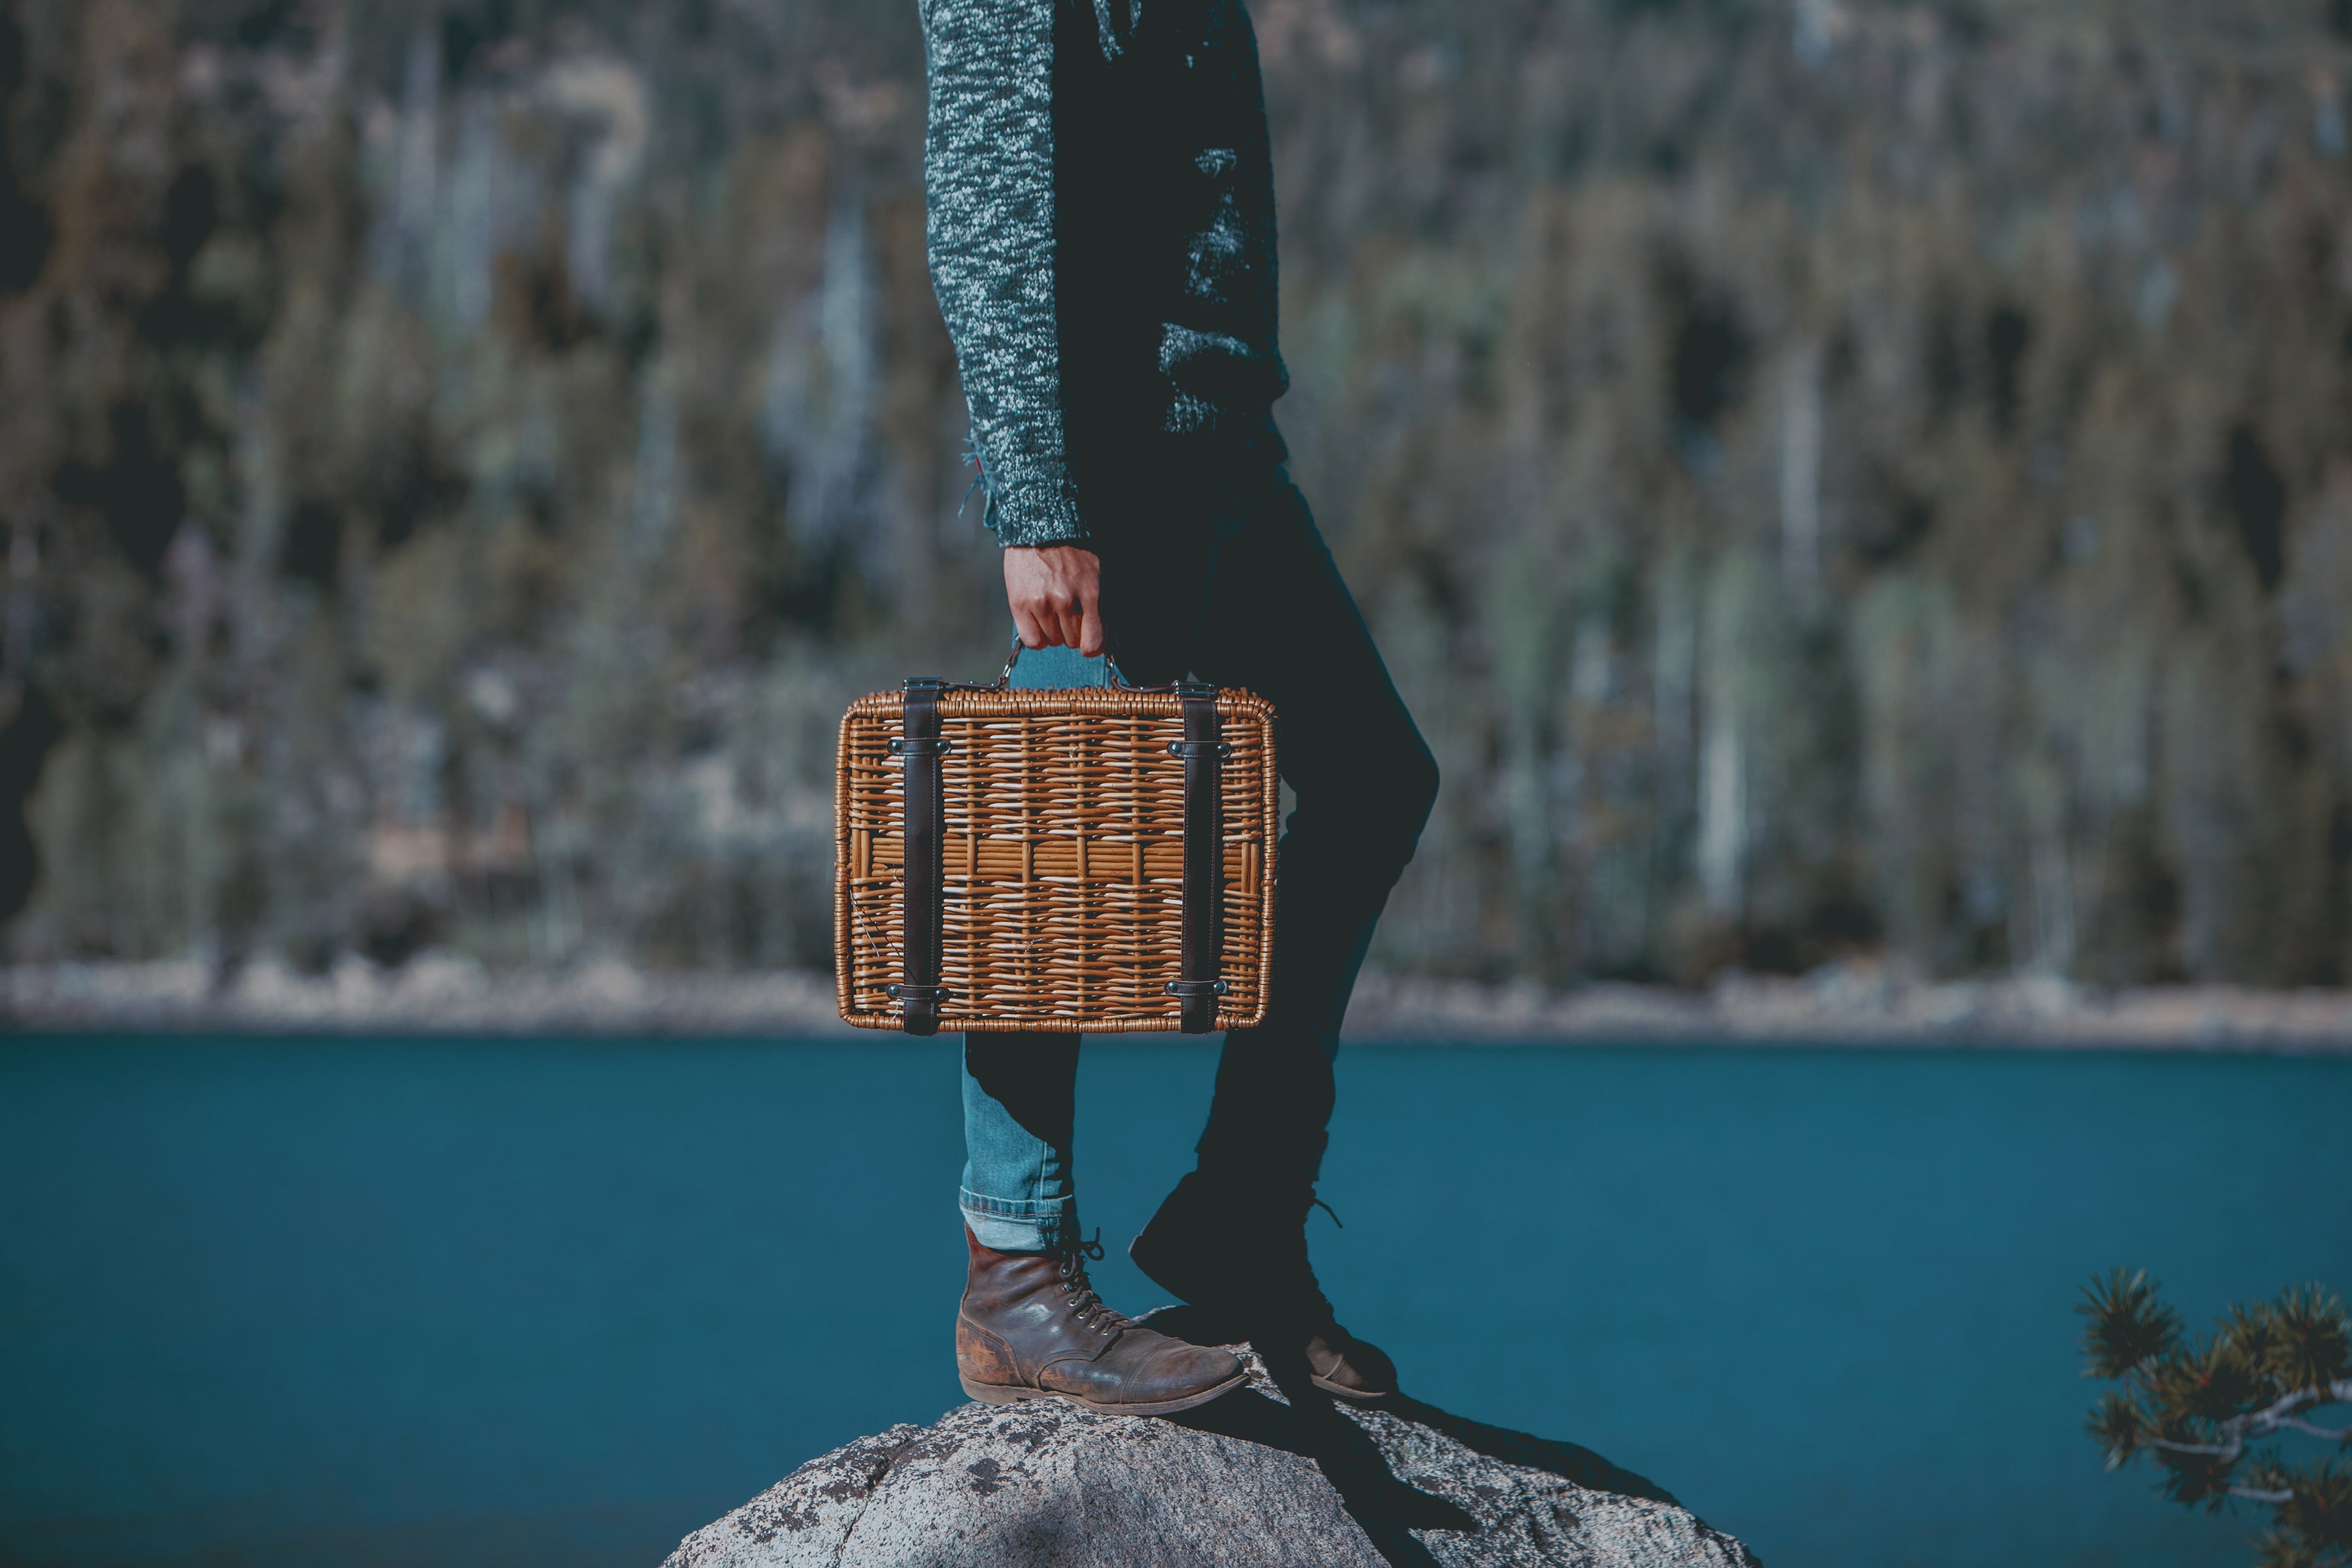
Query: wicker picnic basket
1096	859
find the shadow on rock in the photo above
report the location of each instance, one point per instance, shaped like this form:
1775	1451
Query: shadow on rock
1566	1460
1384	1507
1387	1508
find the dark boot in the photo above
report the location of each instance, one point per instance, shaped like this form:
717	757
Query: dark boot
1247	1268
1032	1328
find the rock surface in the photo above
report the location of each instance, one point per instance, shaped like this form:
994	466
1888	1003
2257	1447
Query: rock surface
1255	1478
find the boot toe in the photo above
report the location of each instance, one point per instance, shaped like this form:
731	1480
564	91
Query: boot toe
1180	1371
1145	1374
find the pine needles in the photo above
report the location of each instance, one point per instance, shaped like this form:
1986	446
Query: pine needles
2199	1410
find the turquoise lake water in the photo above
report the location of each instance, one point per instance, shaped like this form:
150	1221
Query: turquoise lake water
511	1302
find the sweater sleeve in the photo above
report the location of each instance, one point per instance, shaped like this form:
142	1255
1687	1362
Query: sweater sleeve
988	169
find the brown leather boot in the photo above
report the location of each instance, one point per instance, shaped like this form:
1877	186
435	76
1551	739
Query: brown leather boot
1246	1270
1032	1328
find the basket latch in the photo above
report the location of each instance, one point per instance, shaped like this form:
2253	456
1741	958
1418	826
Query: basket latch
918	747
1198	987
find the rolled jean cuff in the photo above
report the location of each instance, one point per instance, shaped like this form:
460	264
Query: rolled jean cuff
1019	1224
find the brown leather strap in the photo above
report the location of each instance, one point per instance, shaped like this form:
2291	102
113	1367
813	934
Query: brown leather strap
1203	860
919	749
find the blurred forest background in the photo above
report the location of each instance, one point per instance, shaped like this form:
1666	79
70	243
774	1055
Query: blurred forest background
1831	476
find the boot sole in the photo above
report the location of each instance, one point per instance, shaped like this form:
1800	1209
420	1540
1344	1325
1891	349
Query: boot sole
1353	1396
1011	1394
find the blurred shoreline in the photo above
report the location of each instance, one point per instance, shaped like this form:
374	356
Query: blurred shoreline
1858	1003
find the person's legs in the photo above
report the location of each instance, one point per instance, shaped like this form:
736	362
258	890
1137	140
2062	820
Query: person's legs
1030	1325
1281	622
1278	620
1018	1106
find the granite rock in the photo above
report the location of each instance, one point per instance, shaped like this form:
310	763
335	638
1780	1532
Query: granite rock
1257	1478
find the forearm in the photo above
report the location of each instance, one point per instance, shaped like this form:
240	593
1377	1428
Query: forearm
989	174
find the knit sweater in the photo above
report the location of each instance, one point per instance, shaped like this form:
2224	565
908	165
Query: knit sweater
1101	236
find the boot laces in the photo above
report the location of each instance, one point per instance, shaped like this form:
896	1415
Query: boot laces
1088	1308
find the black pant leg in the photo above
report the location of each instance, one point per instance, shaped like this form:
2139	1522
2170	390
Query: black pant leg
1278	619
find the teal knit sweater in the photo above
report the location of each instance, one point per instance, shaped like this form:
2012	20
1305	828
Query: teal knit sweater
1102	240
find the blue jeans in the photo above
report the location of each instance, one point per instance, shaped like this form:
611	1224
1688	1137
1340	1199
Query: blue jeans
1223	574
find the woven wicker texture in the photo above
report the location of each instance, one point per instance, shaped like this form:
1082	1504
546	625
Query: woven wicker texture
1063	860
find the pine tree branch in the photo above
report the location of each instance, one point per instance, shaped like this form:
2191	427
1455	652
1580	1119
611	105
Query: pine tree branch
2254	1425
2277	1413
2167	1385
2232	1450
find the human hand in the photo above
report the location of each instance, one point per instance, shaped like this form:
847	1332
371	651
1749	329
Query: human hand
1056	594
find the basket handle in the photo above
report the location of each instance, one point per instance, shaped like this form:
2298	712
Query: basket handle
1110	660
